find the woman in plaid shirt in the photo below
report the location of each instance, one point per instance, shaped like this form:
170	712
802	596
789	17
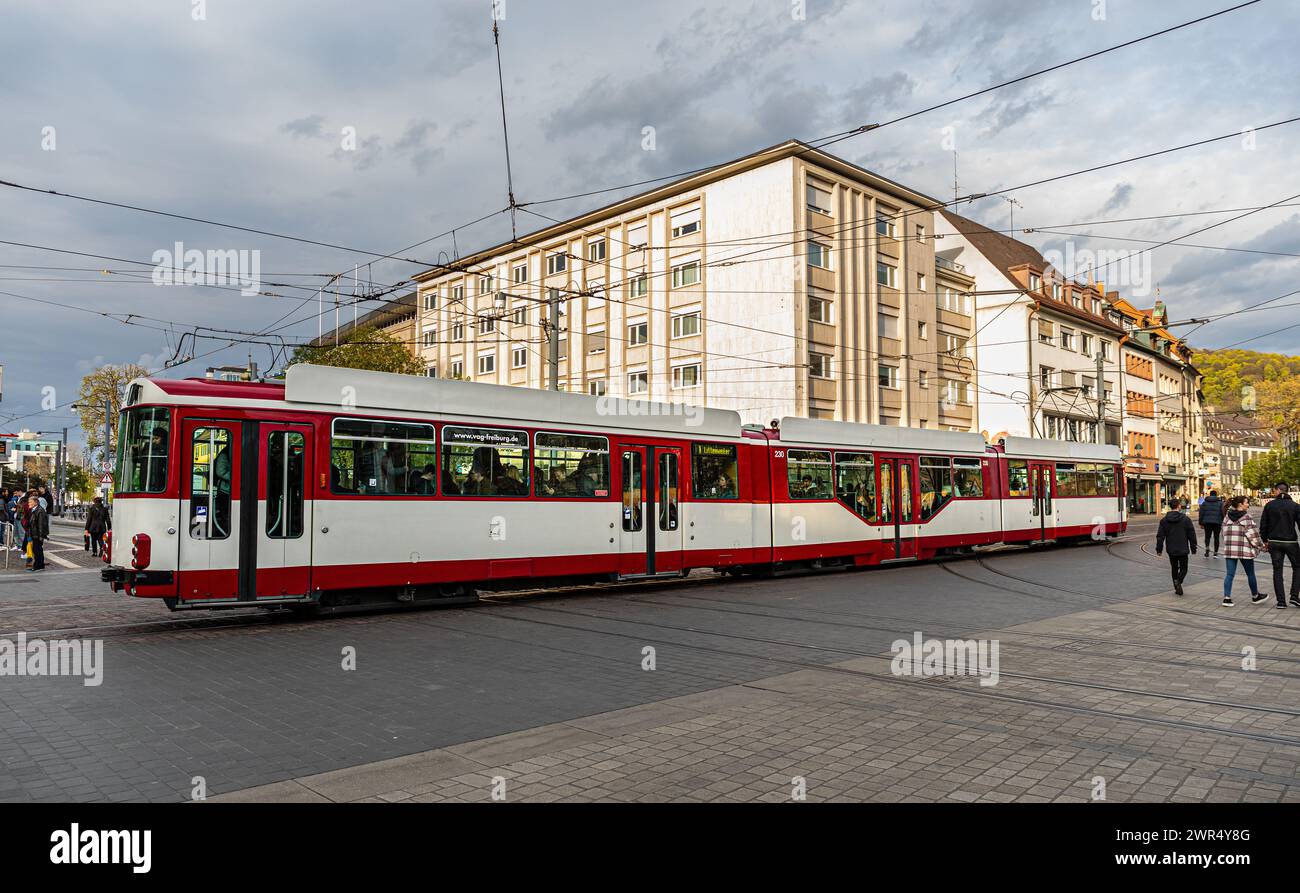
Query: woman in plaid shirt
1241	542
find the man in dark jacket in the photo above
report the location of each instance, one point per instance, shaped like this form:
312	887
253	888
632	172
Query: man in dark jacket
38	531
1178	535
1210	518
1279	528
97	523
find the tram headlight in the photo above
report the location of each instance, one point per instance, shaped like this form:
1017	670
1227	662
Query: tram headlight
140	551
104	553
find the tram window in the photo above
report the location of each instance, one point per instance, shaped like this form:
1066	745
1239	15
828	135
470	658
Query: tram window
633	500
808	474
1066	480
142	450
936	484
1106	480
855	483
1017	477
886	504
211	474
668	491
285	451
484	462
378	458
571	465
967	480
713	471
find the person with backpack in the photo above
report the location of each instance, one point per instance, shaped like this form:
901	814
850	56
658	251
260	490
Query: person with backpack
1210	517
1177	534
1241	543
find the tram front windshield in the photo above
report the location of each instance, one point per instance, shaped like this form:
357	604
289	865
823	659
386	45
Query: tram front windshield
142	447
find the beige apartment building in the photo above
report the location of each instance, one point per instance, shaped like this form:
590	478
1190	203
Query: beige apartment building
787	282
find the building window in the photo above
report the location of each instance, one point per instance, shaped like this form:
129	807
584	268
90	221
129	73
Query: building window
638	333
819	198
458	293
596	250
457	369
636	237
686	376
685	222
486	325
484	285
923	378
1035	282
953	345
429	336
596	341
638	382
1085	344
520	273
956	392
519	358
887	326
886	274
520	315
686	274
819	255
1067	339
1096	306
430	300
820	310
686	324
458	331
487	363
596	387
888	376
639	287
885	224
920	235
953	301
556	262
1056	290
819	365
922	331
432	372
920	282
1045	377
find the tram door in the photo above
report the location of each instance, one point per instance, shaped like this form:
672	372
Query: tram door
650	535
1040	487
211	483
283	512
896	507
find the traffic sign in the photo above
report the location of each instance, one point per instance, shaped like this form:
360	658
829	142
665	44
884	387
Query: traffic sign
107	478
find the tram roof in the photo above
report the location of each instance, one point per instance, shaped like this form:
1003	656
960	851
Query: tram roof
1060	449
331	386
881	437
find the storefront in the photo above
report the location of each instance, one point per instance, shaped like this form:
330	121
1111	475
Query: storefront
1143	486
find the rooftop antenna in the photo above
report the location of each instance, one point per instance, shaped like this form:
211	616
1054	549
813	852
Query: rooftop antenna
955	192
1013	203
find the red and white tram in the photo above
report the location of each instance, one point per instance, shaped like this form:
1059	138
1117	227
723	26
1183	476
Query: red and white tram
344	487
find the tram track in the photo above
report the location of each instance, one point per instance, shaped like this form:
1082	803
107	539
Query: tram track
1220	617
964	632
510	613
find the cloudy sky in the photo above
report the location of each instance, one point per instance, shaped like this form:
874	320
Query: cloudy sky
238	111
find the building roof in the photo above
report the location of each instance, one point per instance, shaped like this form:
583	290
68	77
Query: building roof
1001	250
694	180
394	310
1008	254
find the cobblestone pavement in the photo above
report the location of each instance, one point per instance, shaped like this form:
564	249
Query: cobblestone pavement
1103	675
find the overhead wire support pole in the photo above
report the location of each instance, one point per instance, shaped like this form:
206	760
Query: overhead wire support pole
505	133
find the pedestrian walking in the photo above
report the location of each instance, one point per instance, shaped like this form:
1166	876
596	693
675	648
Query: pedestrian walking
98	522
1241	543
38	531
1177	535
1279	527
6	518
1210	517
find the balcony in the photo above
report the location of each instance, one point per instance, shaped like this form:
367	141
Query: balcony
946	264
